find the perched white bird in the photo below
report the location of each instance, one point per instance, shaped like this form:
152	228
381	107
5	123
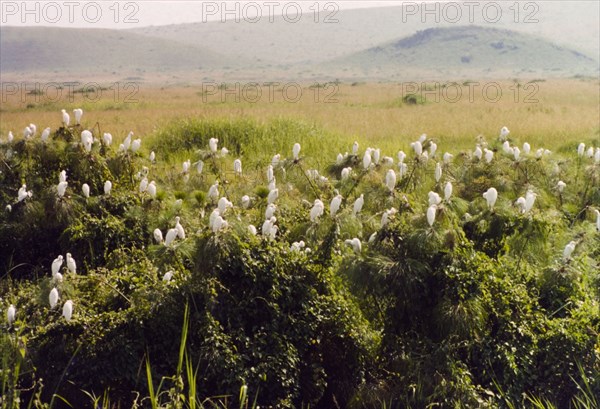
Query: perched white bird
213	144
335	204
185	166
136	145
431	214
317	210
296	151
56	264
270	210
526	148
529	201
32	129
224	151
358	204
390	180
213	191
223	204
127	141
179	228
355	244
438	172
10	137
417	147
339	159
237	167
66	119
78	114
68	310
506	147
151	189
346	173
61	188
168	276
199	167
423	138
478	153
270	175
213	216
107	138
23	193
432	149
158	236
275	160
569	248
355	148
252	229
152	157
590	152
62	176
367	159
8	208
401	156
376	153
597	155
219	224
297	245
504	133
171	236
402	169
560	186
489	155
53	298
107	187
10	314
245	201
385	217
597	219
447	191
143	185
45	134
434	198
71	265
27	132
491	195
516	153
273	195
269	230
86	140
581	149
521	204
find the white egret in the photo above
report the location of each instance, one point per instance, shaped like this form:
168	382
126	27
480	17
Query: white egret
401	156
127	141
438	172
526	148
504	133
376	153
245	201
10	137
224	151
8	208
61	188
237	167
335	204
62	176
107	187
78	113
213	216
529	201
422	138
520	203
390	180
506	147
590	152
68	310
151	189
367	159
136	145
45	134
516	153
56	264
270	210
569	248
431	210
213	191
152	157
385	217
346	173
425	156
355	148
434	198
560	186
199	167
355	244
539	153
478	153
296	151
489	155
358	204
53	298
432	148
275	160
372	237
10	314
267	225
447	157
58	278
213	144
297	245
22	194
168	276
179	228
71	265
158	236
581	149
107	138
87	139
270	175
491	195
317	210
252	229
66	119
272	196
402	169
143	185
447	191
597	155
387	161
339	159
171	236
185	167
417	147
223	205
597	219
219	224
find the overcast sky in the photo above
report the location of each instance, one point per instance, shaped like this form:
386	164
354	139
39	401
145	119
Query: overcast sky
129	14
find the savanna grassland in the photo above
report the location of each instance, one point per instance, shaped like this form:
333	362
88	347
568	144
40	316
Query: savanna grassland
236	254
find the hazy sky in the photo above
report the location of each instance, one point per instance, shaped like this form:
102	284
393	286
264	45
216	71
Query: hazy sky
130	14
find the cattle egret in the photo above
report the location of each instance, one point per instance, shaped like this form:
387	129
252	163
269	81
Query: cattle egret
385	217
213	217
66	119
346	173
223	205
158	236
581	149
168	276
252	229
297	245
447	191
61	188
143	185
358	204
245	201
86	140
270	175
401	156
422	138
53	298
434	198
22	194
355	148
521	204
355	244
56	264
447	157
402	169
273	195
266	227
151	189
10	314
597	219
489	155
296	151
107	187
237	167
78	114
590	152
569	248
432	148
152	157
561	186
45	134
339	159
335	204
390	180
219	224
135	145
71	265
68	310
171	236
213	191
270	210
10	137
317	210
516	153
62	176
425	156
478	153
199	167
179	228
224	151
107	138
491	195
275	160
504	133
367	160
8	208
526	148
213	144
438	172
185	167
506	147
597	155
417	147
376	153
431	214
127	141
529	201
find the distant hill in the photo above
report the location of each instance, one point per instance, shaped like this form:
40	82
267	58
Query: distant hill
117	52
470	51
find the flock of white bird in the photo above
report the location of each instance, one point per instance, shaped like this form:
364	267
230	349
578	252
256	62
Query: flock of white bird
216	223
